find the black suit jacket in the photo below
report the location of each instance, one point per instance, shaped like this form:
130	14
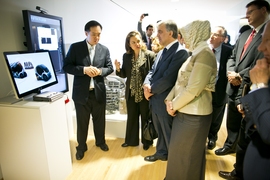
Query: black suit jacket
257	112
243	65
76	59
125	70
220	96
163	75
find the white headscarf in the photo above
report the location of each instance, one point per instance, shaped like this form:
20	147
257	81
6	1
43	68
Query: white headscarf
196	32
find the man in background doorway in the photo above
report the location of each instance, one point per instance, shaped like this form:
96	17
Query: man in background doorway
146	36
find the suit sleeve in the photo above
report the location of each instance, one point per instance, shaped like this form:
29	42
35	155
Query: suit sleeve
257	111
70	65
169	76
108	67
122	73
139	27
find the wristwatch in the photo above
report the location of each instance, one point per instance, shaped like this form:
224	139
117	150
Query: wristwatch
258	86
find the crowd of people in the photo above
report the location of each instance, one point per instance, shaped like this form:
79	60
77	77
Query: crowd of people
184	77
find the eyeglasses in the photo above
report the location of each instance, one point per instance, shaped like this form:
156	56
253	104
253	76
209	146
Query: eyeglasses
216	35
251	11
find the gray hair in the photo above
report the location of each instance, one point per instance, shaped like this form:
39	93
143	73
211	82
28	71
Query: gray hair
170	26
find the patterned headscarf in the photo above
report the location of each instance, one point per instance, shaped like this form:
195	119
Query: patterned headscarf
196	32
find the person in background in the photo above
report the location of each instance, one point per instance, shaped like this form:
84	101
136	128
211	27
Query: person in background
222	53
137	61
245	53
89	62
159	82
146	36
257	113
227	40
244	28
156	47
180	38
190	102
257	15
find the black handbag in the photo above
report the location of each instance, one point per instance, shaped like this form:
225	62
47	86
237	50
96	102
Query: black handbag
149	131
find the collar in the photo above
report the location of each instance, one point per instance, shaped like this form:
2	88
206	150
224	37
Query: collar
260	26
218	49
169	45
89	45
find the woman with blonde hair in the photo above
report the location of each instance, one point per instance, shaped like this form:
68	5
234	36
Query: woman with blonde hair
190	102
137	61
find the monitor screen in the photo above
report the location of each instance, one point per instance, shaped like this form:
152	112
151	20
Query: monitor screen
30	72
45	32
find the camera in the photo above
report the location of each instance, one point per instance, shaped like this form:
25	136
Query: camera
145	14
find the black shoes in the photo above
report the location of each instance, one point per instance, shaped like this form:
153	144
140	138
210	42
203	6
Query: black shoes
224	151
146	147
228	175
124	145
79	155
103	147
154	158
211	144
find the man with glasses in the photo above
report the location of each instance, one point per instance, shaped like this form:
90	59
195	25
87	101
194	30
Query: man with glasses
222	53
244	56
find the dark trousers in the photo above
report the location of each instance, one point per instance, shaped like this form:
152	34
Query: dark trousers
186	160
134	111
217	117
233	124
163	126
83	112
241	149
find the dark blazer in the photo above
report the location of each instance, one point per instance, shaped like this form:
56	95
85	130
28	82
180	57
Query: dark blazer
243	65
76	59
257	112
220	96
125	71
163	75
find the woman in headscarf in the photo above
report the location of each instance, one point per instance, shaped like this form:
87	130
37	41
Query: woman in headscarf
137	61
190	102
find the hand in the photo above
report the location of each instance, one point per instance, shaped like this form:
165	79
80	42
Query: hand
260	73
147	91
169	108
240	109
92	71
234	78
117	64
142	16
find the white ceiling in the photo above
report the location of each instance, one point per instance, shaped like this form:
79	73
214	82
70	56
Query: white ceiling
184	11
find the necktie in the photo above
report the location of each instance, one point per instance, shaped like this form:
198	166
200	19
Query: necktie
160	59
248	42
149	43
214	51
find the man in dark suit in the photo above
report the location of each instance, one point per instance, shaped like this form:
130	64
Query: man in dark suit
222	53
244	54
89	62
257	20
158	83
146	36
257	113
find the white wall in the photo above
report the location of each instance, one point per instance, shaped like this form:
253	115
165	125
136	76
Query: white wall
116	24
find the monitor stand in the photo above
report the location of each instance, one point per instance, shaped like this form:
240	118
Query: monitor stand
9	100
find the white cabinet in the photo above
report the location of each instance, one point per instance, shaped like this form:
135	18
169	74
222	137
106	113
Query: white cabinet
34	142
